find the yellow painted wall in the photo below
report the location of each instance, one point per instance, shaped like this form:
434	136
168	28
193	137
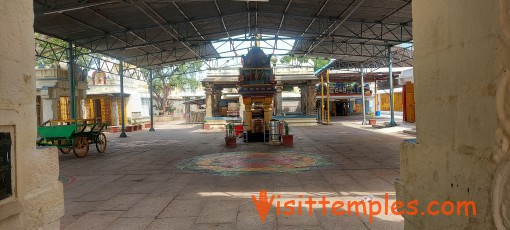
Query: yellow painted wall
385	101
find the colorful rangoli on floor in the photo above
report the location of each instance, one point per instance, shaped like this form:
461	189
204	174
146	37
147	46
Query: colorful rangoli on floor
234	163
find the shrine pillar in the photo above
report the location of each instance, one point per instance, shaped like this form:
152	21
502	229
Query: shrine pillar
278	100
304	99
115	111
241	107
216	100
208	101
247	113
268	111
311	99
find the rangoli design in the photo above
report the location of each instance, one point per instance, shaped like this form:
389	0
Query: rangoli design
235	163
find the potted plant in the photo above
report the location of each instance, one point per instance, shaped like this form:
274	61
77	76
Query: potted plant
287	139
230	137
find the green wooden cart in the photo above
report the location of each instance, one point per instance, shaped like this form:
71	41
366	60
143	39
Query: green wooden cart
73	134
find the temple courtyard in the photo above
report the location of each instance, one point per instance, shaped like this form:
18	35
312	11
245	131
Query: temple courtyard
183	177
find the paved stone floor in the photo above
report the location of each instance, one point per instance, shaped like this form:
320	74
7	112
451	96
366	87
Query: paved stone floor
137	184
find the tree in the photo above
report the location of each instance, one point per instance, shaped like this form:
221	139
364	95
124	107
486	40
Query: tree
59	46
166	80
317	62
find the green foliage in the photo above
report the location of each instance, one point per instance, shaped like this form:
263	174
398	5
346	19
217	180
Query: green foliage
317	62
164	82
230	130
288	88
171	108
286	128
61	45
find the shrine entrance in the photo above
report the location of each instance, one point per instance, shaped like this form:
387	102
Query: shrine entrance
97	108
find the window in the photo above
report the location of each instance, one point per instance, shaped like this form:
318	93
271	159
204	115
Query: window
145	107
5	165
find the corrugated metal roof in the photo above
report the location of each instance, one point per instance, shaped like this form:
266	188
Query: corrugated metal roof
159	32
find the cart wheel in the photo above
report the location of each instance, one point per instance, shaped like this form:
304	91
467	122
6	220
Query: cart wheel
64	150
101	142
81	146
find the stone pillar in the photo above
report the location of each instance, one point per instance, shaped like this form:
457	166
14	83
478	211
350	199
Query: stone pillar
462	114
241	107
278	100
216	100
35	198
54	96
247	113
187	109
208	102
115	112
214	110
304	100
311	99
50	109
85	110
268	111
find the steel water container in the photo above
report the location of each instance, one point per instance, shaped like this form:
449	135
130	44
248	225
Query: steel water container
274	130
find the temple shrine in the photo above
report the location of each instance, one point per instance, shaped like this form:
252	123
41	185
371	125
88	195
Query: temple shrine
257	86
253	93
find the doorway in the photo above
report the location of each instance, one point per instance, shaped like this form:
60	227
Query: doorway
341	108
97	110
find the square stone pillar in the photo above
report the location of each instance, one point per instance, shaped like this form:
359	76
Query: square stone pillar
278	100
304	99
247	113
241	107
268	111
311	99
115	112
462	94
208	102
34	197
216	100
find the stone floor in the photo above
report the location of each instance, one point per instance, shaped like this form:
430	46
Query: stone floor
137	184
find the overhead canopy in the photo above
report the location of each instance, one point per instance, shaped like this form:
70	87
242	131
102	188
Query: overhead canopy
148	33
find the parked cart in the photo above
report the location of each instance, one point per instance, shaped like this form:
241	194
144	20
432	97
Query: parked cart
73	135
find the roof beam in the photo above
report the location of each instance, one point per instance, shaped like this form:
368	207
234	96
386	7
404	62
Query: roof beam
315	18
188	20
281	24
401	34
298	17
124	28
175	36
222	19
357	50
86	24
387	16
356	6
83	6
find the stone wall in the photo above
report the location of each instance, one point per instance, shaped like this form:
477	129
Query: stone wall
459	67
37	201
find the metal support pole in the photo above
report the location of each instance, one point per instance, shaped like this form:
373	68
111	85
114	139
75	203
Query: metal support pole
70	68
376	98
322	99
392	112
327	95
364	110
151	105
121	74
